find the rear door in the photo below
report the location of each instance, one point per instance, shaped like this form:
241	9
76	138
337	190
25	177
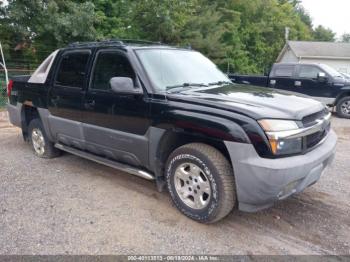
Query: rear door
282	77
65	97
115	125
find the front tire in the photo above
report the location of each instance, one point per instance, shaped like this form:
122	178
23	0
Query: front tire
201	182
39	141
343	107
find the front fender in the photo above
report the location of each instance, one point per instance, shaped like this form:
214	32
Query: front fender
204	125
344	91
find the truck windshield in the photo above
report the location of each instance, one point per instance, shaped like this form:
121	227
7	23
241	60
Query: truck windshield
331	71
168	68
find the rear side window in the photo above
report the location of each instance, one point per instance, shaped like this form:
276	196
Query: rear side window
284	71
71	71
309	72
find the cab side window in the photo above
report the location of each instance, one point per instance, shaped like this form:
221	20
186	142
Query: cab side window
310	72
72	69
108	65
284	71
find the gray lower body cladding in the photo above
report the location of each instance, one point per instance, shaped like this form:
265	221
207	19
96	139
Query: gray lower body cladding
132	149
261	182
15	114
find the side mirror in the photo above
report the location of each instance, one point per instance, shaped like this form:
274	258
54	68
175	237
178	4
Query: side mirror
124	85
322	77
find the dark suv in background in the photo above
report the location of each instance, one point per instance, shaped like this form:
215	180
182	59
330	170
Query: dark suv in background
319	81
169	114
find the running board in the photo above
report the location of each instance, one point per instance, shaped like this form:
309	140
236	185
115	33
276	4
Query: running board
107	162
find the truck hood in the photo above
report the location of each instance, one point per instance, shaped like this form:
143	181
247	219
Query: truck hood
342	81
255	102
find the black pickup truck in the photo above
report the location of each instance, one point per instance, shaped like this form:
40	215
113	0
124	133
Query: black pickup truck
168	114
319	81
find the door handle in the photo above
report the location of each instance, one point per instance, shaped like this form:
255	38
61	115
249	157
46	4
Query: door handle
89	104
55	100
297	83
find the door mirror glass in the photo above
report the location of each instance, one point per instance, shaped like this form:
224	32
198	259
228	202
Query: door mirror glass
124	85
321	76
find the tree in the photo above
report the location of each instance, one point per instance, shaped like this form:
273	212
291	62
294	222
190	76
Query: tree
345	38
114	19
162	20
323	34
213	31
247	35
40	26
259	34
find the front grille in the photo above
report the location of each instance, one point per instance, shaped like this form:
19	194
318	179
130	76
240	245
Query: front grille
315	138
311	119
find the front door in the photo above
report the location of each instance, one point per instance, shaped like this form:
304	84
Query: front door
309	83
115	125
65	97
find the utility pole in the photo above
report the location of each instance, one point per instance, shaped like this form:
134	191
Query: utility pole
287	30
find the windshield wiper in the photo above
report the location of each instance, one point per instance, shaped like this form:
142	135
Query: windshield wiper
186	85
220	83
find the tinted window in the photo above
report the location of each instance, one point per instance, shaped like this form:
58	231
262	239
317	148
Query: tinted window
72	68
109	65
284	71
309	72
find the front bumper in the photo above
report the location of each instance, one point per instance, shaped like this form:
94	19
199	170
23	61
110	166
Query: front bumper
260	182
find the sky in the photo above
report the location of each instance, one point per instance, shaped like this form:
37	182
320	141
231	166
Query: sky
334	14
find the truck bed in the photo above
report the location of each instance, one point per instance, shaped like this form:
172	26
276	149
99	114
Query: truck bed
24	92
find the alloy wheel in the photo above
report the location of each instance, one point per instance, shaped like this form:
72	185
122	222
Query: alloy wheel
192	186
38	141
345	107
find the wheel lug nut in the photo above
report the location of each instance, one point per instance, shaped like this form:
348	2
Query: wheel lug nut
190	189
198	187
195	191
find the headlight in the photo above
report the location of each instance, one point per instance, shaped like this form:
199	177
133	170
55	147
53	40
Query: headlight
286	146
272	125
281	145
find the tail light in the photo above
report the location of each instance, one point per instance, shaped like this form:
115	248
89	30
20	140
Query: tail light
9	88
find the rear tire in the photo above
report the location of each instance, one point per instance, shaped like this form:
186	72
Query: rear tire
343	107
39	141
201	182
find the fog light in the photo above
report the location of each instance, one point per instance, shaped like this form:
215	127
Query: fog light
288	189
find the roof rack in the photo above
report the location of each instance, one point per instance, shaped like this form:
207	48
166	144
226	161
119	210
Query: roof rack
137	41
113	42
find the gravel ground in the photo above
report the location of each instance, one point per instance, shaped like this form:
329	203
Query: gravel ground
69	205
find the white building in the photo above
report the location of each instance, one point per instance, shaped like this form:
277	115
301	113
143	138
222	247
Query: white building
336	55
